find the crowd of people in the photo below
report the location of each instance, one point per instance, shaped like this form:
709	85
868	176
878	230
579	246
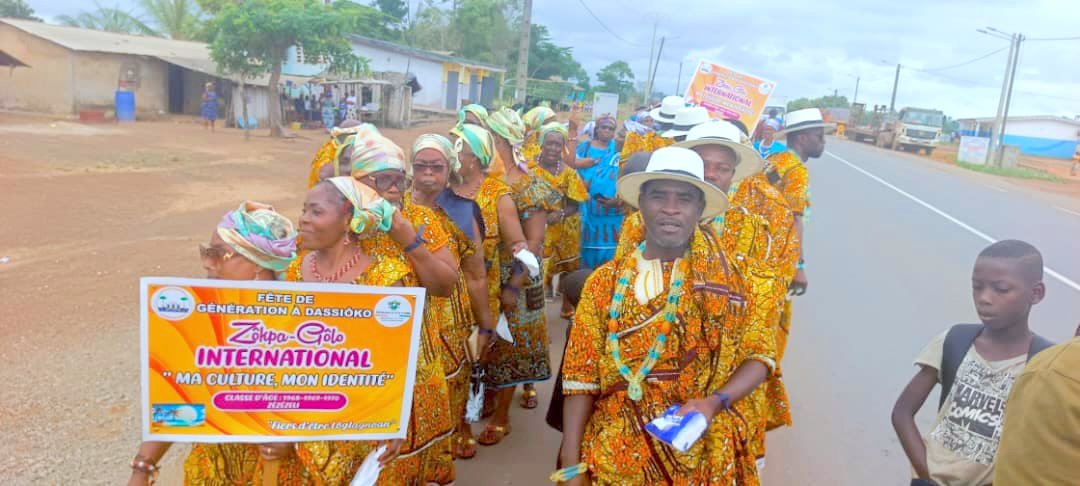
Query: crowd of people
674	240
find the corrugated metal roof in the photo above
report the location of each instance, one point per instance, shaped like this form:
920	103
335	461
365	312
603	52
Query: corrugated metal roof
434	56
194	56
1011	119
89	40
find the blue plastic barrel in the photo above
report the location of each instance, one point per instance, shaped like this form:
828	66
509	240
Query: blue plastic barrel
125	106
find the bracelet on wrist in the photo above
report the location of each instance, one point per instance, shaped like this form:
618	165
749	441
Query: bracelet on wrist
801	265
139	464
418	241
516	290
568	473
723	399
486	331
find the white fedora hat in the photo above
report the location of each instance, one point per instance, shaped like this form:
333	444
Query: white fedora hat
686	119
802	120
674	164
747	160
669	107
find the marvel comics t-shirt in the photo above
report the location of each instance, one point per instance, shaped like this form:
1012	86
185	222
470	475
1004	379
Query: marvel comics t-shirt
962	444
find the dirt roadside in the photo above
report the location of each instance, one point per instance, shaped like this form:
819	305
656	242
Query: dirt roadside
86	211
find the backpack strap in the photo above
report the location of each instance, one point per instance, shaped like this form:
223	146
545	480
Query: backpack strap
957	342
1038	343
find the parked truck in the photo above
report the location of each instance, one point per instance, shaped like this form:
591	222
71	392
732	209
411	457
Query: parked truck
911	129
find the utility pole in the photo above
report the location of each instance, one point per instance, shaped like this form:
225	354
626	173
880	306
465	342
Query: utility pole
523	53
678	80
896	81
656	66
999	118
855	98
1017	39
652	50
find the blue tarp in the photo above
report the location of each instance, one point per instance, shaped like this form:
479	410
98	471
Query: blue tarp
1040	147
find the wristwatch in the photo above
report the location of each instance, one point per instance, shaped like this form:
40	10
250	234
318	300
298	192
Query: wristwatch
418	241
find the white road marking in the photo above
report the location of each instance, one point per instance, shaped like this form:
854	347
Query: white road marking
996	188
1059	208
989	239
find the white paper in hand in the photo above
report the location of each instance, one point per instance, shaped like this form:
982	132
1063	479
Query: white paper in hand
502	329
530	261
369	470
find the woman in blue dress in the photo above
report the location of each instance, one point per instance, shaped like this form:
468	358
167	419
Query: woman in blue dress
209	106
601	214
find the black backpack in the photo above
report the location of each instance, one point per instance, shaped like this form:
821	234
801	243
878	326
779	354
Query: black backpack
958	341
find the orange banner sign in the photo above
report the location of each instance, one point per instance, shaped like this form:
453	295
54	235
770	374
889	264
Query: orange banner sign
729	94
229	361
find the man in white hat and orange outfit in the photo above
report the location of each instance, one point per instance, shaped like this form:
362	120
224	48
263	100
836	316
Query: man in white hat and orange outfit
664	326
805	132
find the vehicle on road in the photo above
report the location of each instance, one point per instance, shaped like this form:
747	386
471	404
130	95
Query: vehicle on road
912	129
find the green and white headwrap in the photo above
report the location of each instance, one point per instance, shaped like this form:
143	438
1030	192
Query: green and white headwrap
479	141
439	143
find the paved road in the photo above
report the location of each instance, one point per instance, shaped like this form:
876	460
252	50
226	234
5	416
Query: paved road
886	275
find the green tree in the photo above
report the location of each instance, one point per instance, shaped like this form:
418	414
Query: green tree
547	60
828	101
617	77
395	9
175	19
369	22
17	9
111	19
251	38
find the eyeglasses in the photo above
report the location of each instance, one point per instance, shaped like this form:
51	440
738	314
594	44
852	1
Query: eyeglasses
605	127
433	168
215	253
383	182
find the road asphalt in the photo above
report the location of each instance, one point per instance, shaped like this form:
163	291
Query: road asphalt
887	273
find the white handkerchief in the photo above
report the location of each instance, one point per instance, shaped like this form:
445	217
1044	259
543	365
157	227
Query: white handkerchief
502	329
369	469
530	261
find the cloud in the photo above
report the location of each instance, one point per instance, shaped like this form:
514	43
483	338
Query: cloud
813	48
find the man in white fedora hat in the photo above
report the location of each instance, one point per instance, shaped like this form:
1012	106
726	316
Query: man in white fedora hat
663	326
756	231
686	119
664	115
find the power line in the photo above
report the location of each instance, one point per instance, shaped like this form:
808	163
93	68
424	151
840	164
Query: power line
1051	38
601	22
965	63
983	85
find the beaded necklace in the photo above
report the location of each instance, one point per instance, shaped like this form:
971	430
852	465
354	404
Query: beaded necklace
636	380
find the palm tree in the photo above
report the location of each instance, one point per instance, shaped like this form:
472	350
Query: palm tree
111	19
175	19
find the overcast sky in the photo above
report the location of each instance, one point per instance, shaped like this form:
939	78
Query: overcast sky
812	48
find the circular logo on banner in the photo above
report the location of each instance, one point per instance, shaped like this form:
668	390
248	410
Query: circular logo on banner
393	311
765	88
172	303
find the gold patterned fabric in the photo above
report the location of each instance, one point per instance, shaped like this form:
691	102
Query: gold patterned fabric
425	456
453	314
794	180
236	464
326	154
712	337
487	197
562	240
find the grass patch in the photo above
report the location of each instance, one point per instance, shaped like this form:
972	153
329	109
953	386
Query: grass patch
1014	172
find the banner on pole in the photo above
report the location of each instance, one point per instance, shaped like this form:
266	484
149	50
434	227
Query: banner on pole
231	361
729	94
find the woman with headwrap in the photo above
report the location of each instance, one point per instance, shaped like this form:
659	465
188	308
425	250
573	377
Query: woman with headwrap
331	149
426	455
763	138
503	232
434	163
253	242
562	243
474	114
525	361
601	214
535	119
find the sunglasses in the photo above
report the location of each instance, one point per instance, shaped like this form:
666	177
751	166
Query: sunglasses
383	182
433	168
215	253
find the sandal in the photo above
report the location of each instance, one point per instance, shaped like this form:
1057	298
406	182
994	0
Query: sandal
528	399
493	434
464	448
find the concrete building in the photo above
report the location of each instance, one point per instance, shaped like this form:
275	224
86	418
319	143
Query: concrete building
67	70
446	82
1044	136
